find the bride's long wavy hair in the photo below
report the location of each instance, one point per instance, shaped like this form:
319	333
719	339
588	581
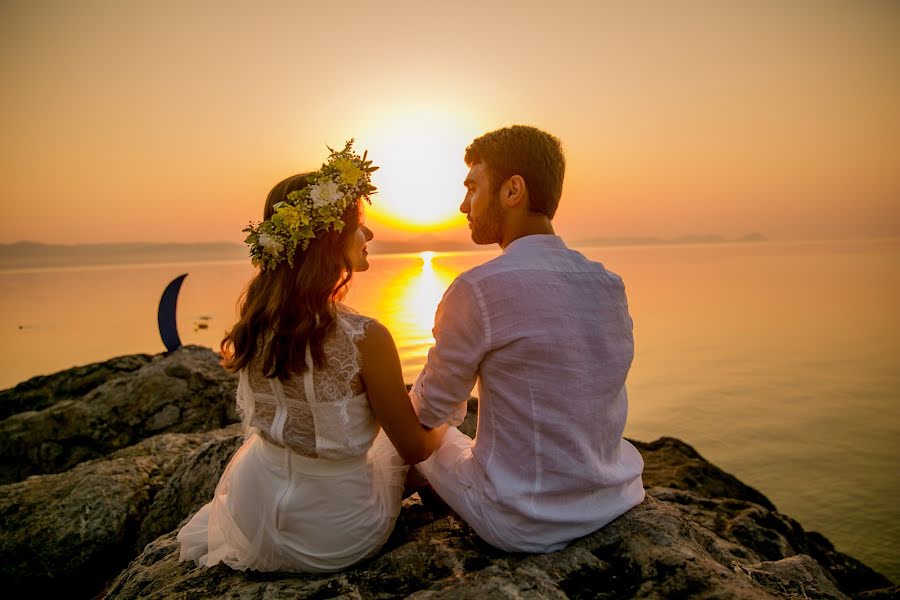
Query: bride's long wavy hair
284	309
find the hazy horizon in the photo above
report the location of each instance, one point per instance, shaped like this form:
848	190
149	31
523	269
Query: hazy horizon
412	240
25	255
439	237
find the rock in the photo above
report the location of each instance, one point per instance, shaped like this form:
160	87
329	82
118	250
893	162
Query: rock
75	530
891	593
653	551
182	392
700	533
469	424
757	531
797	575
40	392
672	463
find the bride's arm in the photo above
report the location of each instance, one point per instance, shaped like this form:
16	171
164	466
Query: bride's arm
383	377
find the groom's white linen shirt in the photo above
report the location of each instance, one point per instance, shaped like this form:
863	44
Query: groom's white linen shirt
548	337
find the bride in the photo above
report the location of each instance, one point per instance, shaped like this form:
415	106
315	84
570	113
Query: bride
329	427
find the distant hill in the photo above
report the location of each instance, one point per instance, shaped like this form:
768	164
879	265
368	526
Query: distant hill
684	239
31	255
27	255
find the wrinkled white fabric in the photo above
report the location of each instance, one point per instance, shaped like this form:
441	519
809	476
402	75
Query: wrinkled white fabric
312	488
548	337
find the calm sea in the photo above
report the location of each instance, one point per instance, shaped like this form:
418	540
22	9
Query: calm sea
779	362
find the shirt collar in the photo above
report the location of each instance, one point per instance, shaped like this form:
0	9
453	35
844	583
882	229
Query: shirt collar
537	240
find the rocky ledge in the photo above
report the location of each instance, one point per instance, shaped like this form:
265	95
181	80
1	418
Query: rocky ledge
105	526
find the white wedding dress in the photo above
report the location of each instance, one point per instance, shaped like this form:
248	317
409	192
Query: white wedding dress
315	487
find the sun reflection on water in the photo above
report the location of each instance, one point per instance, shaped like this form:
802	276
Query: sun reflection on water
407	308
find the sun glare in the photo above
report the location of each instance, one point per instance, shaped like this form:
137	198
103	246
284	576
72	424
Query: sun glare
427	257
422	170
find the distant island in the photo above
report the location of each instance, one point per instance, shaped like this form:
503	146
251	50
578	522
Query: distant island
29	255
32	255
708	238
422	243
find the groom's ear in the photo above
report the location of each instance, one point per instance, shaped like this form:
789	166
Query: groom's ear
513	191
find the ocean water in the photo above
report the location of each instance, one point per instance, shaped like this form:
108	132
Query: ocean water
779	362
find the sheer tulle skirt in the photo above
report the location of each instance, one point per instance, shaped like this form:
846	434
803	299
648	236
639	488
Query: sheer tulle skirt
275	510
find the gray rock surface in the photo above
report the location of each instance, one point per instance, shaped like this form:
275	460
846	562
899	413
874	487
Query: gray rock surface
182	392
701	533
675	473
40	392
653	551
74	530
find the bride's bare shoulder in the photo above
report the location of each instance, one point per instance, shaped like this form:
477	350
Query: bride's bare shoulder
377	341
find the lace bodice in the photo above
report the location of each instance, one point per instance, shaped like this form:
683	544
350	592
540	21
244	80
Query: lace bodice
322	414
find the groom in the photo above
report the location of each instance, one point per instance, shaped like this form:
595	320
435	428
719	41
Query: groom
547	335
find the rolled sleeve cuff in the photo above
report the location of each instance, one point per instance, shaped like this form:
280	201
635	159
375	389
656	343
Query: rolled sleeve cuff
426	413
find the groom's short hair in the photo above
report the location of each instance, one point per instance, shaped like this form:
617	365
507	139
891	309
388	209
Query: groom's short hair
526	151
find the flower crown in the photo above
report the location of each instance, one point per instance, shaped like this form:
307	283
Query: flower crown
317	208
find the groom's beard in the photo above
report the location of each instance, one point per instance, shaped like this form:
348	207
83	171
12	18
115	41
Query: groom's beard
488	228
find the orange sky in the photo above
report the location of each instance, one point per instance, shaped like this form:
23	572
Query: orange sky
170	120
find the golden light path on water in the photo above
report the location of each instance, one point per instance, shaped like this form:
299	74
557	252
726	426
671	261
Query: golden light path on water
407	308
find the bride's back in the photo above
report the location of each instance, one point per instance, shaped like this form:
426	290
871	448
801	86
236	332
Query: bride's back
323	413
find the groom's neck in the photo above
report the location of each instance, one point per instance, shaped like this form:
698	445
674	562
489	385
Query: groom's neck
531	224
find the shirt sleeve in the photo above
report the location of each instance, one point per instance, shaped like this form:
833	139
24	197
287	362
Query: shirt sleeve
461	335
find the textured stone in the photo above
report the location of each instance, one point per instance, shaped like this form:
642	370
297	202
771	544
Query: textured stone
701	533
40	392
671	463
182	392
75	530
653	551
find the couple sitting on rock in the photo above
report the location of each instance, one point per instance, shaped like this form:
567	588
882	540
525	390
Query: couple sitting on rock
330	426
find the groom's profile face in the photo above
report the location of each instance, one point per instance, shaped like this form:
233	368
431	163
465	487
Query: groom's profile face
482	206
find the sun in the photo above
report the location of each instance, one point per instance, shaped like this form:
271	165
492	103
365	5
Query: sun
421	170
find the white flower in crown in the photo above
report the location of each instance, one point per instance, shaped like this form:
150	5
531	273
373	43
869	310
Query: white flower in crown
325	193
270	244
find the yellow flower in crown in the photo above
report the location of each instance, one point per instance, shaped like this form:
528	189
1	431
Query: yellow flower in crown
350	173
291	216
